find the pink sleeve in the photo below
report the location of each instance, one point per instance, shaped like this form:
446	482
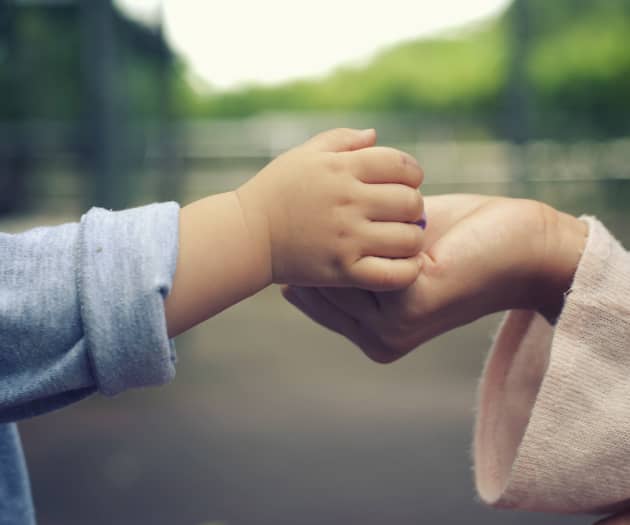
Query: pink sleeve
553	426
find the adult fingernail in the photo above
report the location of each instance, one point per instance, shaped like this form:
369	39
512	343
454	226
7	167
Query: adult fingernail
423	221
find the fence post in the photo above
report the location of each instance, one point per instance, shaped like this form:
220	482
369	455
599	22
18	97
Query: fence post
16	160
518	103
105	127
170	177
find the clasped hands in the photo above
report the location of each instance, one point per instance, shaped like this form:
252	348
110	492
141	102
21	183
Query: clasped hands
334	220
479	255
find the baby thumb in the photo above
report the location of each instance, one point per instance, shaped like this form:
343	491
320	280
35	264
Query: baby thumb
342	139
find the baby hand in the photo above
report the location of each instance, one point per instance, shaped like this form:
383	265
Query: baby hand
337	212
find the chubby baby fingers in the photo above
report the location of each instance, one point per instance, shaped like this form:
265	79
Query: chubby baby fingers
380	274
392	239
380	165
392	202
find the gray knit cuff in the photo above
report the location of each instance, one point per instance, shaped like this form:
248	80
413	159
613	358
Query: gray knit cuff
126	264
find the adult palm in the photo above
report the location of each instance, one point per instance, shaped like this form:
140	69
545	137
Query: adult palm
481	255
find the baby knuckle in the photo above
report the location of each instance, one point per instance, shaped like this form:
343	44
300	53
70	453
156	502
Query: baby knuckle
341	259
420	172
413	239
396	158
388	158
341	132
342	136
413	204
415	174
334	164
419	201
342	234
405	159
346	196
340	216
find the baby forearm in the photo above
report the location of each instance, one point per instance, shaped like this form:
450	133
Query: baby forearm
331	212
220	262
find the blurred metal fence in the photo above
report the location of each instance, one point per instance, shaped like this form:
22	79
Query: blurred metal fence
212	156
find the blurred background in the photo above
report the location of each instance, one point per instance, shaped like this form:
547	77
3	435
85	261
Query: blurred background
271	419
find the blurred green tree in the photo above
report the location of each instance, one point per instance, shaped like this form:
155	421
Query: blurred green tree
542	69
86	65
556	69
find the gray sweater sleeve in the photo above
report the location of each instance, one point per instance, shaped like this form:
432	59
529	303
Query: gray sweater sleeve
82	308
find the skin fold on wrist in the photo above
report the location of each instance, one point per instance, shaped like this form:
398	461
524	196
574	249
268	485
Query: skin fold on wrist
257	225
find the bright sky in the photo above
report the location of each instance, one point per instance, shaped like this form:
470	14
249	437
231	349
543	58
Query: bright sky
232	42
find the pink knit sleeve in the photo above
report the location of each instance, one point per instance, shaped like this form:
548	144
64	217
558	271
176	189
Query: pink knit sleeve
553	426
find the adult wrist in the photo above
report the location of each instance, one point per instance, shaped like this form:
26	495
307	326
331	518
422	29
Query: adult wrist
565	239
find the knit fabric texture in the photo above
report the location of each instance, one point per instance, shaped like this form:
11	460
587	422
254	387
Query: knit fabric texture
552	429
81	311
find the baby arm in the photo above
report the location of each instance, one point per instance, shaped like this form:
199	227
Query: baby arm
82	306
219	262
331	212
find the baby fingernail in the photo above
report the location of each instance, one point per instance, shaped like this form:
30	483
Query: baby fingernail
423	221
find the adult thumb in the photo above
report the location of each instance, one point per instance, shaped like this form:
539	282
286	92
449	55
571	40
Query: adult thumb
342	139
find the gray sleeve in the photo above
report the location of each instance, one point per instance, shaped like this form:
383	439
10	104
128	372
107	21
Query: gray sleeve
82	308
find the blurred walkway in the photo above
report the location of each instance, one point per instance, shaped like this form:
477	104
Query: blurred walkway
270	421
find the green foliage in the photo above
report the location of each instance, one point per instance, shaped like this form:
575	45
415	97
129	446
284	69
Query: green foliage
584	69
578	72
439	75
41	68
444	75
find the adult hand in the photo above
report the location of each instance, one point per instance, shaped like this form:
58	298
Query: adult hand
481	255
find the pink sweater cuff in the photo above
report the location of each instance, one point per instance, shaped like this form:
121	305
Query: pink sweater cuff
553	426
